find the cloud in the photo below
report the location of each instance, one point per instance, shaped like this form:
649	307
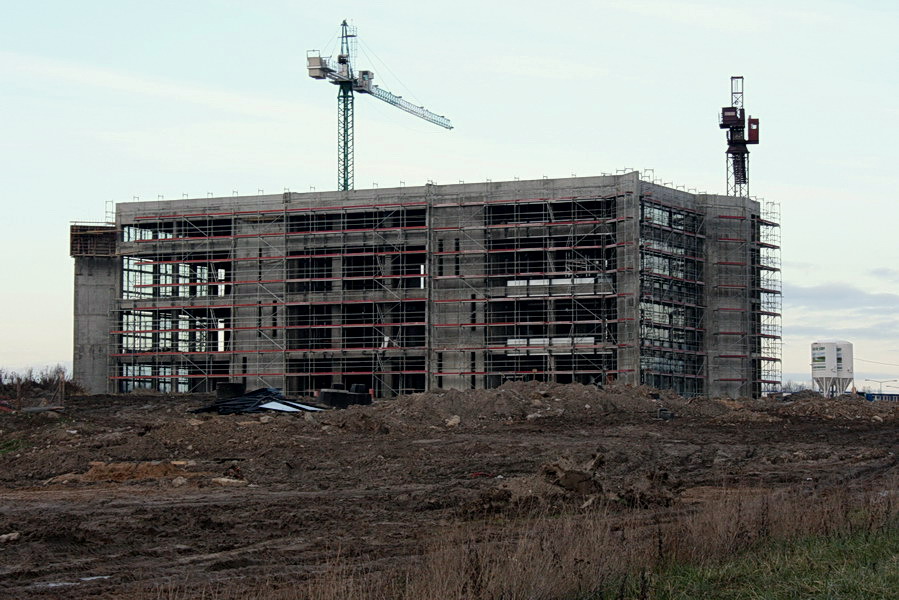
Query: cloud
837	310
236	145
20	65
839	296
825	330
527	67
720	16
885	273
694	13
794	266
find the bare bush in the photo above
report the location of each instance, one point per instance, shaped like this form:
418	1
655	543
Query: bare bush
28	382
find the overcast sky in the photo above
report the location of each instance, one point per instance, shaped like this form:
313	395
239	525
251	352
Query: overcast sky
111	100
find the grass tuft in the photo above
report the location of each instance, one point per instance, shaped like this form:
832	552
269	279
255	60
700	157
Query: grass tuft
862	565
11	445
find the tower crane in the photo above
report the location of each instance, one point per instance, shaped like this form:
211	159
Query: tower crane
733	118
340	72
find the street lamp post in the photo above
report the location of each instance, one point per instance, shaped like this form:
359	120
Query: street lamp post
881	382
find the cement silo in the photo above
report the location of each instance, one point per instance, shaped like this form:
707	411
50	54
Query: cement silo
832	369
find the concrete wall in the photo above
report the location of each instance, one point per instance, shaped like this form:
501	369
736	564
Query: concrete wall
627	280
731	315
96	281
260	281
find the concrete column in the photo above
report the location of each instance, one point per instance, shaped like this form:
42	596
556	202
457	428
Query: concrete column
95	292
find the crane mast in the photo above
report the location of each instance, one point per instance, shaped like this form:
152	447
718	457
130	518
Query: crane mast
340	72
733	119
345	118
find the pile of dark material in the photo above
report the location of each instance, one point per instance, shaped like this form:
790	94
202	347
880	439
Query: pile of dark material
232	399
250	402
337	396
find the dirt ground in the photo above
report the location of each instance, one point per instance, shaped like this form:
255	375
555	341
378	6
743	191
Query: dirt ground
119	496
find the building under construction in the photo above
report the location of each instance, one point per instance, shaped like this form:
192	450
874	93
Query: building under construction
587	279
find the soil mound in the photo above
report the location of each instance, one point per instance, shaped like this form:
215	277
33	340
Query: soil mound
604	477
510	403
841	408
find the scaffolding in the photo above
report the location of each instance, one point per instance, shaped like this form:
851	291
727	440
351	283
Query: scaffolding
733	309
527	288
293	297
745	296
92	239
672	291
770	294
588	280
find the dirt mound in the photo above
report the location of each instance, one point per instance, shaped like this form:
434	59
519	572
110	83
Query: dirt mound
805	395
605	476
745	411
540	404
842	408
579	479
513	402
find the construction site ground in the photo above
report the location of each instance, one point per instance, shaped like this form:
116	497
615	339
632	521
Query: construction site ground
121	496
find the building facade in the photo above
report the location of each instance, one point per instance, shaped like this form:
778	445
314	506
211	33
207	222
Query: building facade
591	280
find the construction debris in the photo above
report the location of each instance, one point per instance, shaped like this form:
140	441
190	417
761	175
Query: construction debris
288	406
40	409
256	401
228	481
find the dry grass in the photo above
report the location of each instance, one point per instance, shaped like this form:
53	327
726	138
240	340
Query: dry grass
598	553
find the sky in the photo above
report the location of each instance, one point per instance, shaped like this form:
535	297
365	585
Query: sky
106	101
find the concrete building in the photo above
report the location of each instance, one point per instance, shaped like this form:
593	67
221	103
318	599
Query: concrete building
587	279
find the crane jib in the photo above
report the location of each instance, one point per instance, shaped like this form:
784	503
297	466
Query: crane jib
399	102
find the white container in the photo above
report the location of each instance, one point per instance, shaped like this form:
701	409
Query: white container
832	368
